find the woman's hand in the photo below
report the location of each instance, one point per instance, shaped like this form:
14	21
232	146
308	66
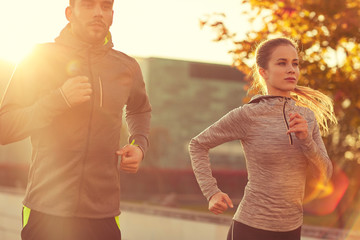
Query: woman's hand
219	203
298	125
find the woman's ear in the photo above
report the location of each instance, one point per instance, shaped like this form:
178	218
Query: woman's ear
263	73
68	13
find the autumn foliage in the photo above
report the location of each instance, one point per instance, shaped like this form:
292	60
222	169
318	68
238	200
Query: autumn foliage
328	34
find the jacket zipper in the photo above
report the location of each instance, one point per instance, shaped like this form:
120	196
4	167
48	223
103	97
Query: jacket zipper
286	122
92	105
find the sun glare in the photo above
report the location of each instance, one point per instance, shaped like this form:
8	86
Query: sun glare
15	55
26	23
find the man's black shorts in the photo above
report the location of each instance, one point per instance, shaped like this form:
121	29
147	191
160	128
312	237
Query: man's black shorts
40	226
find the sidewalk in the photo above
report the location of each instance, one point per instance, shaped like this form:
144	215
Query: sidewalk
10	214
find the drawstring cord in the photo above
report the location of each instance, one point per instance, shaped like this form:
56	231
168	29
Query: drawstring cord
101	92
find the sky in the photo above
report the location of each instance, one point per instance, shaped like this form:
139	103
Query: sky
141	28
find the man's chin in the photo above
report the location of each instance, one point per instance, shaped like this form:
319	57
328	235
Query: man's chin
96	38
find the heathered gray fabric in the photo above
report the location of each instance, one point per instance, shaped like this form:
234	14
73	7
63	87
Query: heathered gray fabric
276	170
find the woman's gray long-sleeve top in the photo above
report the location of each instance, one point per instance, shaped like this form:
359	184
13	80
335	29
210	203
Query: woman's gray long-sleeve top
276	169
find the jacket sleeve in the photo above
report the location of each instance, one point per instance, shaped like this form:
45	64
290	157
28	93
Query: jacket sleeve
138	111
230	127
25	107
314	150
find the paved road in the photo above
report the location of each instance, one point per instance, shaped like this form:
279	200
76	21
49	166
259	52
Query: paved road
138	222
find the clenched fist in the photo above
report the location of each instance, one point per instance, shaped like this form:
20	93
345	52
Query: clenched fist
131	157
77	90
219	203
298	125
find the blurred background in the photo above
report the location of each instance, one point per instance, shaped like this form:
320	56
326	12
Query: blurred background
196	57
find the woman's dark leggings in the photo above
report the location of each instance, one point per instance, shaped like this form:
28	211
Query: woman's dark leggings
239	231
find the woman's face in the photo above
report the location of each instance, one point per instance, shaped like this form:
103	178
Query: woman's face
282	73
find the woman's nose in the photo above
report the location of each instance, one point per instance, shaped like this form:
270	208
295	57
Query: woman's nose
291	69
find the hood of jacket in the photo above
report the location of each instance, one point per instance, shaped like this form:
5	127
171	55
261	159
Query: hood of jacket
270	99
83	49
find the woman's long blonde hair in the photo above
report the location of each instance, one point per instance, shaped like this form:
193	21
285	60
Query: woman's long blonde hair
319	103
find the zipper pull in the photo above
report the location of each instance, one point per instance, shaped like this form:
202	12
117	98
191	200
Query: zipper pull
286	122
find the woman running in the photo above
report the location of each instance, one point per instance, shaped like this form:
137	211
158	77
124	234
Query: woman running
279	130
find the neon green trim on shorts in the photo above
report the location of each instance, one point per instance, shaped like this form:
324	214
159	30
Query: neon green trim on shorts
117	221
26	215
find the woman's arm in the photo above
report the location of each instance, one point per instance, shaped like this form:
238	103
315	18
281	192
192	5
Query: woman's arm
228	128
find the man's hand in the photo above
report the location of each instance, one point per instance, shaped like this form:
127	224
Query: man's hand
77	90
219	203
131	157
298	125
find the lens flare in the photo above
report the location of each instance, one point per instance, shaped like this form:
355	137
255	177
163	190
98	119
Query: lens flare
323	199
73	68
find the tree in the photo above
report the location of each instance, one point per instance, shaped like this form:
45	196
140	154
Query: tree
328	33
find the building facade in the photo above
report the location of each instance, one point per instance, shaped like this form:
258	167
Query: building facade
186	98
